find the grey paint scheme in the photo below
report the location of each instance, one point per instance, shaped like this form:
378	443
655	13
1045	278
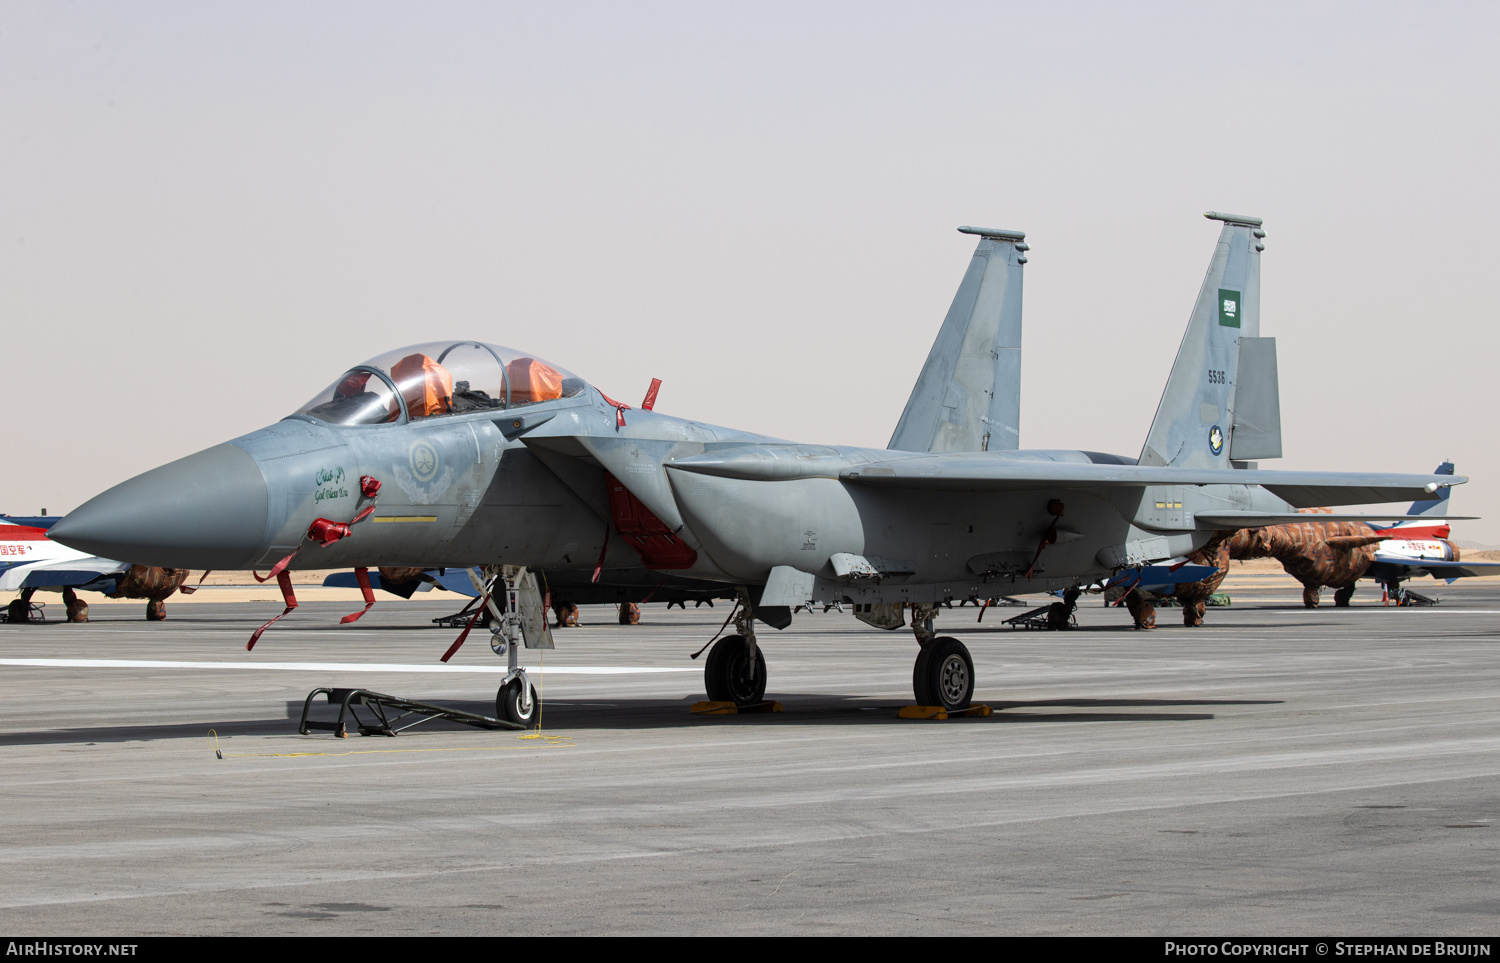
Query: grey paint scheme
1255	430
1199	396
968	397
525	487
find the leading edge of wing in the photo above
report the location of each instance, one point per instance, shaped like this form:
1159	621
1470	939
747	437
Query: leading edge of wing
1301	489
980	471
979	474
1238	519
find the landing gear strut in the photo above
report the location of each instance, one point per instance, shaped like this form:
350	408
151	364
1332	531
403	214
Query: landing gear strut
736	668
516	701
944	671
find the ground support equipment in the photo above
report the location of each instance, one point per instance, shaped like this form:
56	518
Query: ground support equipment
1035	619
385	724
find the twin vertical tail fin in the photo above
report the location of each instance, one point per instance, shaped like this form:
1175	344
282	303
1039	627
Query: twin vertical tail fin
968	397
1222	406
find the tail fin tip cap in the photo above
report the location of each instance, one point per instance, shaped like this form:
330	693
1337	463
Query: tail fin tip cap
997	233
1229	219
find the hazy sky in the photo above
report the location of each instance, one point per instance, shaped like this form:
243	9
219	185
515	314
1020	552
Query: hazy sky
208	211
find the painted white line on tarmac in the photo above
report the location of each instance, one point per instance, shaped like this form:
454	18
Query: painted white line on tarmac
333	666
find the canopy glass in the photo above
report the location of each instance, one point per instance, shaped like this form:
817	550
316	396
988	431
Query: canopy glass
437	379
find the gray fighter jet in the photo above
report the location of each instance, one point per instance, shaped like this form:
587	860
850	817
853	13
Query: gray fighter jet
463	454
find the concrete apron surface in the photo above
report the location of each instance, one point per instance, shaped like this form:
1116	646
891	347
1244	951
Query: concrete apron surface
1278	771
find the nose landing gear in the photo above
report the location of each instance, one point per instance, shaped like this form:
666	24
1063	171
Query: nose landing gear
516	701
522	622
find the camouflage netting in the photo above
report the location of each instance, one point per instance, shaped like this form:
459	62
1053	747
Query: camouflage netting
396	576
146	582
143	582
77	608
1142	606
1317	554
1139	603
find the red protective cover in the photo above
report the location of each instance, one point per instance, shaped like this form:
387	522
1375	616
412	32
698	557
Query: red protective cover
645	532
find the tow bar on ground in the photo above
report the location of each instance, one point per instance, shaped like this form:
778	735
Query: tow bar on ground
387	725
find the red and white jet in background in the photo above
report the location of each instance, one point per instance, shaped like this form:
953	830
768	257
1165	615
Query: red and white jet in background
1416	548
30	561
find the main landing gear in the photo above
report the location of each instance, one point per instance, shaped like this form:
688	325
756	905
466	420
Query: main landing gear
944	672
943	677
736	667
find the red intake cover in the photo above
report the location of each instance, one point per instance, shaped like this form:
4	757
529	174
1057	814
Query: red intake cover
646	533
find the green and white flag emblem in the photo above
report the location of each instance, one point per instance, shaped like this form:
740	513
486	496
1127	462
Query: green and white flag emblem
1229	308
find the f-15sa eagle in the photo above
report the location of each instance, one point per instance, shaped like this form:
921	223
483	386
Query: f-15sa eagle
465	454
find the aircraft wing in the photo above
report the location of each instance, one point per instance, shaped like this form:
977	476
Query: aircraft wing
70	572
1301	489
1387	567
986	471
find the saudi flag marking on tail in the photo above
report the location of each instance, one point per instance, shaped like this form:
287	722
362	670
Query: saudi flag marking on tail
1229	308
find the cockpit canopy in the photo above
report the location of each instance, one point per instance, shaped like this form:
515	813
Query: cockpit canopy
437	379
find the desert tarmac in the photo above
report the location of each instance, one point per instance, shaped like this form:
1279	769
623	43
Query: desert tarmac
1280	771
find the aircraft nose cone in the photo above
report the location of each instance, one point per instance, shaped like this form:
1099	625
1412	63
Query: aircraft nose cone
204	511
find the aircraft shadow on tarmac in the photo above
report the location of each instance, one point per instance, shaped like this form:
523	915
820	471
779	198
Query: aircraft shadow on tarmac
818	710
625	714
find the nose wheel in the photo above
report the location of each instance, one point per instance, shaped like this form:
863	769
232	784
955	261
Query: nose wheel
517	702
733	674
944	675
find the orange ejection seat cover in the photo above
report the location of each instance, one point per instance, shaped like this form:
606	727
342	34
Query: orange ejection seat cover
426	385
532	380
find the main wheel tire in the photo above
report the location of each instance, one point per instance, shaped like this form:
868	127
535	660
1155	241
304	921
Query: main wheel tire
921	678
944	675
517	702
726	675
